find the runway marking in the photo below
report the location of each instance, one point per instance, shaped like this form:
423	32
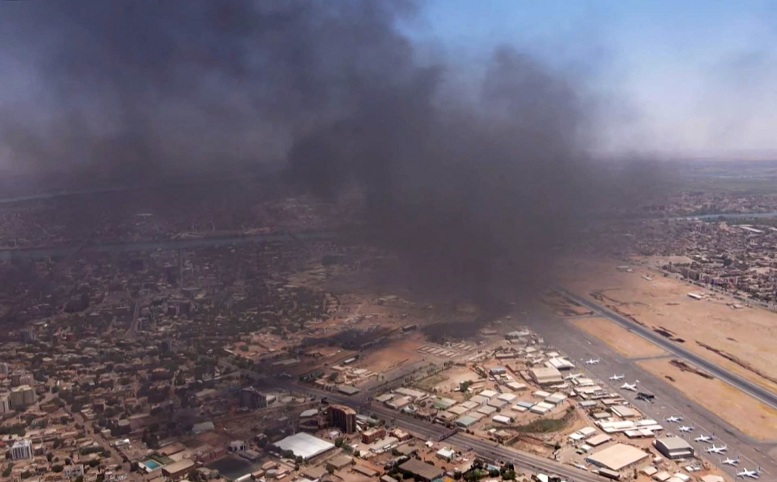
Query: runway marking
648	358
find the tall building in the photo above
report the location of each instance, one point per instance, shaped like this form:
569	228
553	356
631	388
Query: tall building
252	399
22	396
21	450
5	403
4	369
22	378
342	417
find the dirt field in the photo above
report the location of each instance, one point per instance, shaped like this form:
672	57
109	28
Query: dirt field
746	334
743	412
619	339
394	356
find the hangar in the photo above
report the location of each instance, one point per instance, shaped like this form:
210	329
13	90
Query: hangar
304	445
674	448
618	457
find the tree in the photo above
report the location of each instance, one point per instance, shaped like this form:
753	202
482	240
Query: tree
7	471
339	442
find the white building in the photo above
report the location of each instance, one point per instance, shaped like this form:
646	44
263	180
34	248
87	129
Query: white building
21	450
74	471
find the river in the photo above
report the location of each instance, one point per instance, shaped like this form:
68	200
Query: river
7	254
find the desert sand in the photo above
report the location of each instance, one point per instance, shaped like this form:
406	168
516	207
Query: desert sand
619	339
746	334
750	416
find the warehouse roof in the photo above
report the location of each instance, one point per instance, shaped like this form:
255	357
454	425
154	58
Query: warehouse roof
617	456
421	469
304	445
674	443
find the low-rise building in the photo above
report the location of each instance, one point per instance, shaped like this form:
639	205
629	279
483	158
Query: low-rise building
674	448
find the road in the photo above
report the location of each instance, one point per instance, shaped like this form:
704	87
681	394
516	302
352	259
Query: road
580	346
755	391
485	449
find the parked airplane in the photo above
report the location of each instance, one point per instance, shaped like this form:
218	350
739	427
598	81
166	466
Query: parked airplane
615	378
686	428
573	376
705	438
674	419
716	450
632	387
731	462
753	474
592	361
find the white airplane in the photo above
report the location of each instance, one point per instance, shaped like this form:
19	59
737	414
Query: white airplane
674	419
573	376
686	428
731	462
632	387
592	361
716	450
615	378
753	474
704	438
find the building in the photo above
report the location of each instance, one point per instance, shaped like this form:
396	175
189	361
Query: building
373	434
22	396
445	454
342	417
420	470
236	446
21	450
618	457
252	399
674	448
5	403
339	463
179	470
304	445
546	375
73	471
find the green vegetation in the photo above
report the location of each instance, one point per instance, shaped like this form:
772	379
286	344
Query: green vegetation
428	383
546	425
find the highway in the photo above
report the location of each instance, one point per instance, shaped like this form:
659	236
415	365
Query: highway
485	449
755	391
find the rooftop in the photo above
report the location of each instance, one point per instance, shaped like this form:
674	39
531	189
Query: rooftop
304	445
617	456
421	469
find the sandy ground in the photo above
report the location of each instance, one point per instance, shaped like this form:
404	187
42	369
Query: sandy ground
396	355
619	339
748	334
748	415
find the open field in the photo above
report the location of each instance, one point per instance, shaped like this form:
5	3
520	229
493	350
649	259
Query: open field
710	328
393	356
619	339
750	416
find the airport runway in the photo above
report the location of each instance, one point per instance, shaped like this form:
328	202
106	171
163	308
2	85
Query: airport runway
736	381
580	346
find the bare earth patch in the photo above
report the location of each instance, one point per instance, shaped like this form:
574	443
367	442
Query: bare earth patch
396	355
660	302
619	339
747	414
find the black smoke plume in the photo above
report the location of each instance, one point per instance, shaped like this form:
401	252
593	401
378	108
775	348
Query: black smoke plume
477	196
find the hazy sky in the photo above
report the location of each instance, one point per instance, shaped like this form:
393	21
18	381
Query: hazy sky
677	77
694	77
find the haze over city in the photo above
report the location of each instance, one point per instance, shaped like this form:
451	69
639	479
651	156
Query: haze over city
387	240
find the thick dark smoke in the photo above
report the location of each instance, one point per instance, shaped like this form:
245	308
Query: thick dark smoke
477	197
